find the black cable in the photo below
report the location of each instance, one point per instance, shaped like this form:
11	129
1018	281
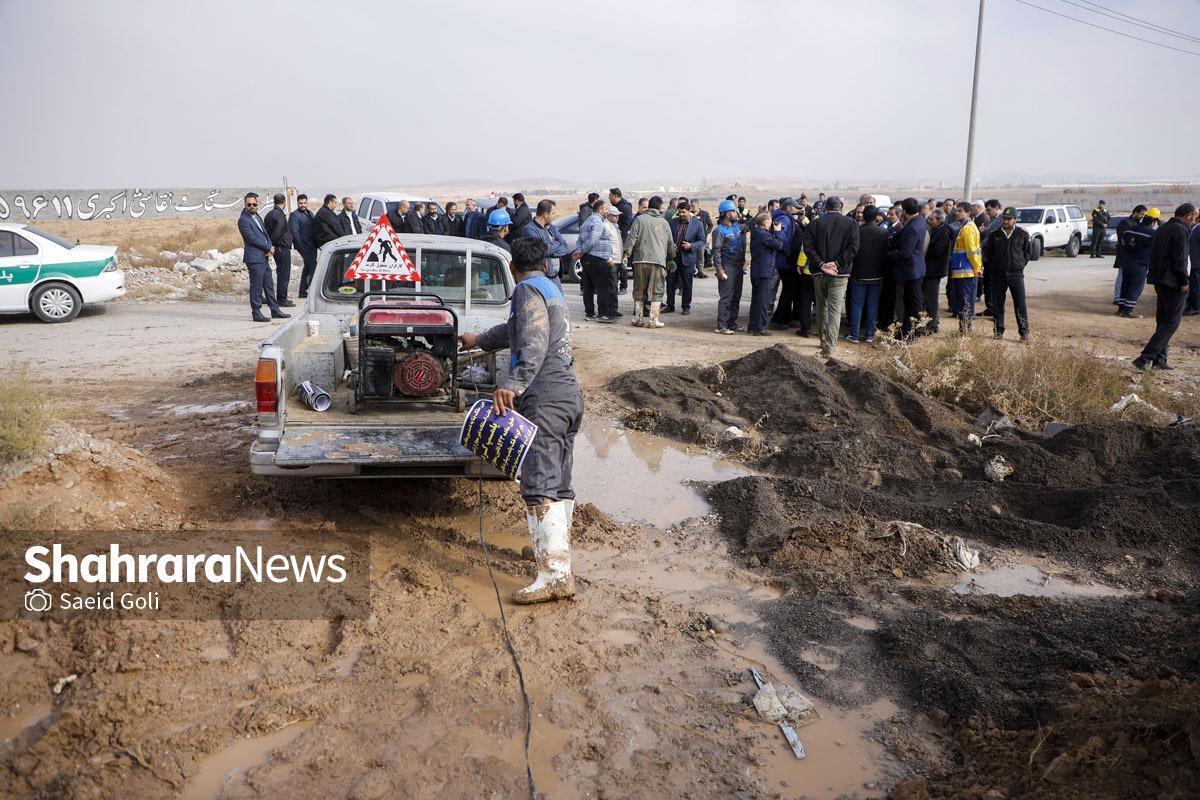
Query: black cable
1110	30
1117	15
511	650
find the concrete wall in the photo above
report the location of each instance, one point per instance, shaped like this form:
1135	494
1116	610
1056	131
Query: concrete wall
32	205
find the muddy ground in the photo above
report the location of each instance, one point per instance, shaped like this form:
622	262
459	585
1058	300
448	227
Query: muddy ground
929	681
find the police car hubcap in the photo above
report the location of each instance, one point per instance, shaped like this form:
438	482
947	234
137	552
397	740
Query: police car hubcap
56	303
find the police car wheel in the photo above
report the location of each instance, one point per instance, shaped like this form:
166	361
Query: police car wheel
55	302
1073	247
577	270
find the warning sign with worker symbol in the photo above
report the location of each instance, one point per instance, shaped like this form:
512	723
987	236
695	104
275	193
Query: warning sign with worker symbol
382	257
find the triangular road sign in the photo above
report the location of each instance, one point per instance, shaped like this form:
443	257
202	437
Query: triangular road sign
382	257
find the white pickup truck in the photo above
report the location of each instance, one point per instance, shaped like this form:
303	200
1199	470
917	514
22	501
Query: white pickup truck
396	382
1053	227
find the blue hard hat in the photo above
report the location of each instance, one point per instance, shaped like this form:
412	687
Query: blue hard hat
726	205
499	218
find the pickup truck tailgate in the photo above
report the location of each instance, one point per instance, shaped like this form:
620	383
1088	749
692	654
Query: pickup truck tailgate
308	446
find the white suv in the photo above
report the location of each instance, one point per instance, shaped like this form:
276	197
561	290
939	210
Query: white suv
1052	227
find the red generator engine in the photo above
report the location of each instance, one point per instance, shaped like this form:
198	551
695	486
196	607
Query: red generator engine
407	351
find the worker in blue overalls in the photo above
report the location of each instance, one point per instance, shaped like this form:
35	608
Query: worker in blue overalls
541	385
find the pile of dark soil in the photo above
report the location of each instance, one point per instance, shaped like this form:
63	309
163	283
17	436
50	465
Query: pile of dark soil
1040	697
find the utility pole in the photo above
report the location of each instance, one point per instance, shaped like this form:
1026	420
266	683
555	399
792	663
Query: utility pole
974	102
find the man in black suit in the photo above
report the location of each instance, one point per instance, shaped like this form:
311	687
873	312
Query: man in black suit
455	223
281	239
521	215
256	250
398	216
349	218
415	219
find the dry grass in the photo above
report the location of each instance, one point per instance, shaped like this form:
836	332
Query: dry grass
24	414
1034	383
151	236
221	282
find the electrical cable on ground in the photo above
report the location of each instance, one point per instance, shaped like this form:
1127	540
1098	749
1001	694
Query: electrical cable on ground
511	650
1110	30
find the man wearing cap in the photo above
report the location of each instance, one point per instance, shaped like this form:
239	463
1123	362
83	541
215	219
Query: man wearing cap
1005	254
540	385
787	272
1100	218
281	239
1135	262
1123	227
729	259
966	267
1168	273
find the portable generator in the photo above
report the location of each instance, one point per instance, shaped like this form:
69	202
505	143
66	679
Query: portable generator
407	351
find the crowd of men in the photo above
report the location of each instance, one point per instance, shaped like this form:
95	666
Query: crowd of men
816	268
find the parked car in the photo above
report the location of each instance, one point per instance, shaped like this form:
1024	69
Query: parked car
1110	236
1054	227
568	228
372	205
52	278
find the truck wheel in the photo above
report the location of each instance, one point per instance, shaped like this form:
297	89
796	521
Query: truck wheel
1073	246
577	270
1037	249
55	302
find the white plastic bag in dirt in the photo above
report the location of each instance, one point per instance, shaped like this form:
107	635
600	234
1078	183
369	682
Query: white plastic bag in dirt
966	557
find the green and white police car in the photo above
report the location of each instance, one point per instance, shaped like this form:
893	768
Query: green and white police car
51	277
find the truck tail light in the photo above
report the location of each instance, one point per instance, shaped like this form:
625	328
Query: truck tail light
266	389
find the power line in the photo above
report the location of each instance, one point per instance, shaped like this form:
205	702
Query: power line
1109	12
1110	30
1131	21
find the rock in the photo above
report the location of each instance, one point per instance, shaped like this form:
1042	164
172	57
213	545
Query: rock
26	643
205	264
910	789
951	474
1054	428
167	255
232	258
184	255
767	703
993	420
1166	595
527	553
717	625
874	479
1061	769
212	255
182	266
997	510
373	786
798	706
997	469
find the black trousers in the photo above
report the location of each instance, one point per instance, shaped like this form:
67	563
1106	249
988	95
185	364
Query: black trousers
310	266
1001	287
787	306
914	300
261	286
887	301
760	295
1098	242
802	306
1167	314
598	282
932	291
283	272
680	280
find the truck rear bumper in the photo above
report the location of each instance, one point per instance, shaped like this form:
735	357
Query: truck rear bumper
362	452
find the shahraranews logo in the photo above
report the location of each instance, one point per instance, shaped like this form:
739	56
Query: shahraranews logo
255	565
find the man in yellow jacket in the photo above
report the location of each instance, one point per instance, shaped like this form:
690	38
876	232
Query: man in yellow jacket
966	267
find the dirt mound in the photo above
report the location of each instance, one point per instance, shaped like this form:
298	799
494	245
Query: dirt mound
85	481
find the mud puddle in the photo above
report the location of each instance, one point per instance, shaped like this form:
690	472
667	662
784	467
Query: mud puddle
22	718
1030	580
632	476
216	770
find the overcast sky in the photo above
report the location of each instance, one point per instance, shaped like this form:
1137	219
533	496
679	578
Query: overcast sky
125	93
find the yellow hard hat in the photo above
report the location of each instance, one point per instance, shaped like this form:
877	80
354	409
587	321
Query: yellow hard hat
1154	213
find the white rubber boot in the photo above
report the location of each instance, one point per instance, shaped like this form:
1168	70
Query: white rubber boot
637	315
654	323
550	529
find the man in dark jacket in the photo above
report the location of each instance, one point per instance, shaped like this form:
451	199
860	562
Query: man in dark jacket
1193	296
1169	274
831	249
455	224
540	228
585	208
398	216
937	264
1134	218
1100	218
256	249
520	213
624	223
349	217
300	223
766	242
866	277
415	218
281	240
474	222
688	233
435	223
1135	262
787	272
908	262
326	225
1005	254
